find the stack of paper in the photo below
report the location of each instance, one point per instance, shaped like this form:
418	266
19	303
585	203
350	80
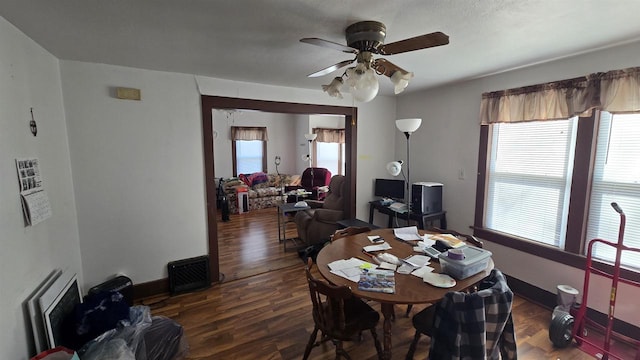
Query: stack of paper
350	269
407	233
452	240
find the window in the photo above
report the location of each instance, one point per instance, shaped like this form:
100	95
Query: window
541	180
616	178
546	184
249	155
330	156
529	179
330	149
248	149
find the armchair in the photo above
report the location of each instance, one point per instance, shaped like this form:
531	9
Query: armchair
313	178
316	225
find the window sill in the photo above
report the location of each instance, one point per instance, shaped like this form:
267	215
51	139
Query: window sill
551	253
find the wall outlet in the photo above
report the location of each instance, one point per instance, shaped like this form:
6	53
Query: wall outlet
461	174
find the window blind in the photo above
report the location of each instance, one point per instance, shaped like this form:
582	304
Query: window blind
529	179
616	178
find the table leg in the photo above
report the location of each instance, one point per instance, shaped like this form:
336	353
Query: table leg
387	312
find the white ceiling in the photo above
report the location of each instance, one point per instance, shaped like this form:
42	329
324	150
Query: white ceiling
258	40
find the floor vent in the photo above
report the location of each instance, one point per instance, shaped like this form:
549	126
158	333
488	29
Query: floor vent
189	275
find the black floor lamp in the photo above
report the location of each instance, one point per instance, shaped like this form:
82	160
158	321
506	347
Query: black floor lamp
408	126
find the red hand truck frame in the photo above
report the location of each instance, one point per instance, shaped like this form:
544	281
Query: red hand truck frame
570	326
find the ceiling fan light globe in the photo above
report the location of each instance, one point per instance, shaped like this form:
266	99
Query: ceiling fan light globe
366	87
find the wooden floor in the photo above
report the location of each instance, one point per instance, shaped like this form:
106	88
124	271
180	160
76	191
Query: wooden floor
268	315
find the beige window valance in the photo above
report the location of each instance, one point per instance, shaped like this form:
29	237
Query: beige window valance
616	91
249	133
330	135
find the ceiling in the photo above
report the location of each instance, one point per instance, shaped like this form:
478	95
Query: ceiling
258	41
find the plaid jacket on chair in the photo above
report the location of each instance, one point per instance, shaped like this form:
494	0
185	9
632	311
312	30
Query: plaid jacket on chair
477	325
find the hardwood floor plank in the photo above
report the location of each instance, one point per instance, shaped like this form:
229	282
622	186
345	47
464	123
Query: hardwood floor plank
262	310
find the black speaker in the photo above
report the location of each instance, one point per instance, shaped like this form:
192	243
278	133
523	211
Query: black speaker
426	197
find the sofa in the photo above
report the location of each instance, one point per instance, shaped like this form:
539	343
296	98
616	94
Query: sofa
264	190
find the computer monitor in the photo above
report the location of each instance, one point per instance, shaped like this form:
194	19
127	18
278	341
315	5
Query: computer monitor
389	188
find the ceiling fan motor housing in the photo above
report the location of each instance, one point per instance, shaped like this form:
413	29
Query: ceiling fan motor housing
366	35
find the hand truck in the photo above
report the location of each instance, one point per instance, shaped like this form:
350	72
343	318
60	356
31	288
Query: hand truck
568	326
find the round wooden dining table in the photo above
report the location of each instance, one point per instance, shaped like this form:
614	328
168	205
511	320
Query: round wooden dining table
409	289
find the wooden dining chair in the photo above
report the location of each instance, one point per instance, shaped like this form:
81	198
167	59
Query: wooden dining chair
338	315
351	230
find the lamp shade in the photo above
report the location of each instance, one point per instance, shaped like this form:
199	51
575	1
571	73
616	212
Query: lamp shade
394	167
408	125
400	80
333	89
310	137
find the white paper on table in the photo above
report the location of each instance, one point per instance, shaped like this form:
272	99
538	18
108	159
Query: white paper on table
379	247
349	269
419	260
426	242
355	278
405	269
372	238
407	233
422	271
388	266
345	264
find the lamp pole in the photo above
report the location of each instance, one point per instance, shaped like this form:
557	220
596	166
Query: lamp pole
408	186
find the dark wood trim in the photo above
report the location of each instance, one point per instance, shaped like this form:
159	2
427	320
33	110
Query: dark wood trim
151	288
209	103
234	161
210	186
481	176
581	184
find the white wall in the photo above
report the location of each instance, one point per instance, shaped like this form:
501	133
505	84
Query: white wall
447	143
30	78
138	165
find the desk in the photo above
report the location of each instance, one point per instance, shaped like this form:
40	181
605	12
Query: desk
283	211
422	219
409	289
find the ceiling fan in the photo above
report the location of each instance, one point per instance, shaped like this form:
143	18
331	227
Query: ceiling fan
364	39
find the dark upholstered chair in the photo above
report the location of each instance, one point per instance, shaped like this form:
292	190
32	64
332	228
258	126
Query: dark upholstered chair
313	178
316	225
338	315
475	325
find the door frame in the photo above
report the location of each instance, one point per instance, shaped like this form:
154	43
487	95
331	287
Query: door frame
210	103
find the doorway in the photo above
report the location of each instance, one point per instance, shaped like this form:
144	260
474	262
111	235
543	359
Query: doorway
210	103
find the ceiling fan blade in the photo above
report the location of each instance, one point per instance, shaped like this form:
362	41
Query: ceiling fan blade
331	68
416	43
329	44
386	67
